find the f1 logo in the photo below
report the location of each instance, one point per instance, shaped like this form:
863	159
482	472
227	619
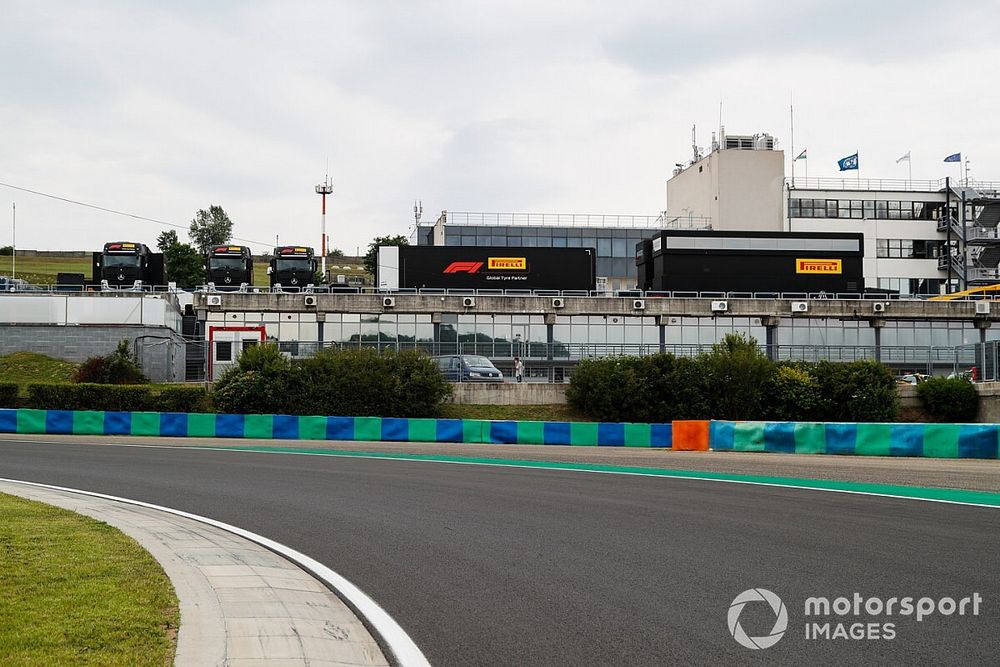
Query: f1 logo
463	267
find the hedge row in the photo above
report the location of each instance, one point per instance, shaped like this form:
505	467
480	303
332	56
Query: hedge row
8	395
86	396
735	381
332	383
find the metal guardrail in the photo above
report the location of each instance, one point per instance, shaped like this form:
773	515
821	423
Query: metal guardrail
887	184
583	220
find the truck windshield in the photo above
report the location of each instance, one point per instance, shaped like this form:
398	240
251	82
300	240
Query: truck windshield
302	264
226	263
121	260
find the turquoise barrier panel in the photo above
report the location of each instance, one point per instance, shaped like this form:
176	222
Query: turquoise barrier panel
638	435
907	440
748	436
979	441
31	421
810	438
583	434
720	435
8	421
475	431
88	422
201	425
941	440
423	430
258	427
312	428
531	433
146	423
368	428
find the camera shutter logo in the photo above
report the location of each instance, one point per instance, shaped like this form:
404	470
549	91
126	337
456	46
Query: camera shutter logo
780	620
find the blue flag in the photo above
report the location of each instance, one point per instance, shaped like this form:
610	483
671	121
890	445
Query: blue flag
955	157
848	163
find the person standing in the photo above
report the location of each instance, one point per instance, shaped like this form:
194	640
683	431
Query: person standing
518	369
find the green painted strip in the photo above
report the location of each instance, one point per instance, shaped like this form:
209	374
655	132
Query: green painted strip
312	428
748	436
146	423
88	422
530	433
638	435
941	440
367	428
583	434
810	438
423	430
258	426
984	498
874	440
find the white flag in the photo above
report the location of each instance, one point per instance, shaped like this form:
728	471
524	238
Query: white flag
905	158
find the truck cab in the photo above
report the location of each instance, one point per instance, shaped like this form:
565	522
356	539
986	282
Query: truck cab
292	267
229	267
123	263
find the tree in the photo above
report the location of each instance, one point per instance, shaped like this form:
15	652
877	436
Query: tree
335	253
211	227
185	265
371	257
166	239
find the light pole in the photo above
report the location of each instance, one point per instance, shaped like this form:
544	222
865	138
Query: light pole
13	239
324	188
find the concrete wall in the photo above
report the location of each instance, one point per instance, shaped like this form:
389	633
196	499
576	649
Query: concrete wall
509	393
161	350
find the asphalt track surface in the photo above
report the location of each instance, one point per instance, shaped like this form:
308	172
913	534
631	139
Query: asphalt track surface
487	565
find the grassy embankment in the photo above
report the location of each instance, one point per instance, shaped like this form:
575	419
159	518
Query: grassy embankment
77	591
27	367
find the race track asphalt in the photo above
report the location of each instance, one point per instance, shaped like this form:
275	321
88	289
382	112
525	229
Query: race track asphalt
486	565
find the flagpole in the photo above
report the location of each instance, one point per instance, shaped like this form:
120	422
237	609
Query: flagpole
791	133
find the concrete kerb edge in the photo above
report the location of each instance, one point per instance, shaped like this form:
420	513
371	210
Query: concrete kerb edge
398	647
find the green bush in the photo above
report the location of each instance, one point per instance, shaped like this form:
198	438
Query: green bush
88	396
8	394
182	399
793	395
608	389
259	383
949	400
739	374
859	391
119	367
367	382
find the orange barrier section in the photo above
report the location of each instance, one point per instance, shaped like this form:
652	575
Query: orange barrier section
690	435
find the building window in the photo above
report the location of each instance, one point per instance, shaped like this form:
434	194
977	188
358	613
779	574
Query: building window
223	350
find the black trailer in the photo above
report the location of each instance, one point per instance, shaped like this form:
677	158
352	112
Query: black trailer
229	267
486	267
711	261
125	263
292	266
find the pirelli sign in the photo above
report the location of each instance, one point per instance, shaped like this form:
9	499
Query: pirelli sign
507	264
819	266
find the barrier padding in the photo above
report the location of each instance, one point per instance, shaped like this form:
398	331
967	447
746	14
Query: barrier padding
288	427
928	440
980	441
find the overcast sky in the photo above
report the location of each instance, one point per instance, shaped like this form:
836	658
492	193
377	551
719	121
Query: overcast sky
160	109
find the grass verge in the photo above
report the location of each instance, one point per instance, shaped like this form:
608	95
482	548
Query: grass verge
512	412
77	591
27	367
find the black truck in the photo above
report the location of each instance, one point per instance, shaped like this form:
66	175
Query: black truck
292	267
229	267
126	263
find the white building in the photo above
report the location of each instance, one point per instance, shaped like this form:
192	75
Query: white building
921	237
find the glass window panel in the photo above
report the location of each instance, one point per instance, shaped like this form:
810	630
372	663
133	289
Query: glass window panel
619	248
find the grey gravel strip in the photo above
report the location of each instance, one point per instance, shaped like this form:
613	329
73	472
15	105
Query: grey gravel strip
240	604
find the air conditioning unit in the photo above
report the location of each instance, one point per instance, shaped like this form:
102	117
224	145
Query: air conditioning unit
720	306
469	302
982	308
800	307
310	300
214	300
388	302
878	307
558	303
638	304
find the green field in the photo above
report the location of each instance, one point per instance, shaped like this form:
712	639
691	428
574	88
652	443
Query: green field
27	367
510	412
78	592
43	270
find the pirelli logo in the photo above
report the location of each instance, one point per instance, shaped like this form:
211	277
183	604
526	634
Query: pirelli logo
822	266
507	263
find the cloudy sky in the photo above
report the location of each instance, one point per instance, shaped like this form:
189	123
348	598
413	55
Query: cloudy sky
161	108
